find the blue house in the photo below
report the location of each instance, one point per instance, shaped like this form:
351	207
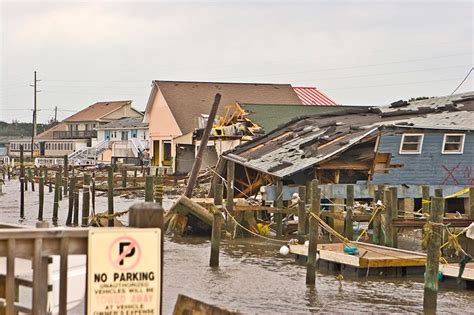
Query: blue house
436	149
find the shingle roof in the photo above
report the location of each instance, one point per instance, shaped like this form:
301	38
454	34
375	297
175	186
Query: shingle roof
188	100
125	123
313	96
459	101
48	134
96	111
462	120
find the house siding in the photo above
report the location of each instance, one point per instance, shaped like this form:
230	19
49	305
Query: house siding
430	167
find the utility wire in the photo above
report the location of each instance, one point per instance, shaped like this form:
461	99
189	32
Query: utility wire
464	80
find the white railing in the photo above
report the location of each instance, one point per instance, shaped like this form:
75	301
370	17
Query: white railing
88	155
45	161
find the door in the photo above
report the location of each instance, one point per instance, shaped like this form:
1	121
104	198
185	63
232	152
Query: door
156	153
124	135
166	153
42	148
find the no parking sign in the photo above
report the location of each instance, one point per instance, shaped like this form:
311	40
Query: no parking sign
124	271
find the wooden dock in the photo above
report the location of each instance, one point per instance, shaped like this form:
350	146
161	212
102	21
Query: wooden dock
370	260
451	272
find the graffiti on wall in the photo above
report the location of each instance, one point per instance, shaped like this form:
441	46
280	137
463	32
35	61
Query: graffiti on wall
458	174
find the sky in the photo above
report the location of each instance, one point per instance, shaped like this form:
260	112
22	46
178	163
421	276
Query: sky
357	52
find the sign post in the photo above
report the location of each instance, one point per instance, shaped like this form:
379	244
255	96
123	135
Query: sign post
124	271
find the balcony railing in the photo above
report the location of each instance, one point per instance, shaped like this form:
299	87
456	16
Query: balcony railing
74	134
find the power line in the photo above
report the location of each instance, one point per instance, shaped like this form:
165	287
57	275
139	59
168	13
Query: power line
465	78
380	85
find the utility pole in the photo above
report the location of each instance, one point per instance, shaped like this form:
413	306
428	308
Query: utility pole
34	131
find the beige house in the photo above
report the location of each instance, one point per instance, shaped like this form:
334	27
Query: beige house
175	109
76	132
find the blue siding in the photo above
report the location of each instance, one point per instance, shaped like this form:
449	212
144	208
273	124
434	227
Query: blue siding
431	166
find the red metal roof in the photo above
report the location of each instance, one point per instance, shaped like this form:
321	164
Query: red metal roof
313	96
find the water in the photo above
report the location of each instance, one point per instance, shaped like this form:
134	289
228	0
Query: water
254	279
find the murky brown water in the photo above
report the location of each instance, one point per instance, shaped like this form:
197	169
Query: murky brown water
254	279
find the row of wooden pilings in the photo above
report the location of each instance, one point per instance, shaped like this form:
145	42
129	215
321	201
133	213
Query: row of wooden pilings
67	183
308	229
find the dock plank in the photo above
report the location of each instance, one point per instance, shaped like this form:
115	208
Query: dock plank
452	270
369	255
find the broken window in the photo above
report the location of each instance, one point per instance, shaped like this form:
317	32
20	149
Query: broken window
411	143
453	143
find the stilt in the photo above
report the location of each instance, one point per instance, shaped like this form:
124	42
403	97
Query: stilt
313	233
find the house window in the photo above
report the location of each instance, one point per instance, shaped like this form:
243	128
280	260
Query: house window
134	133
411	143
453	143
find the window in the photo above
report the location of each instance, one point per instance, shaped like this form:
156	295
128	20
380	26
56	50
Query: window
134	133
453	143
411	143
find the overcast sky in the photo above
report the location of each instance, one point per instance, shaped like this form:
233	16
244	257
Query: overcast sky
358	52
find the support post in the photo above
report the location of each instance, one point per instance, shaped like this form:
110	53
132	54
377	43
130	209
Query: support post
60	183
72	187
376	223
430	293
230	186
22	185
110	195
388	218
302	218
313	233
57	188
158	189
93	193
148	215
149	188
216	238
75	216
394	207
66	174
85	199
348	224
41	198
124	177
470	206
279	205
31	177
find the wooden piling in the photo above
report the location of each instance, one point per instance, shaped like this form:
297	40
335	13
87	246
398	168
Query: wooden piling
57	189
66	173
31	178
469	211
394	207
158	190
149	188
41	198
313	233
376	223
348	223
124	177
435	220
279	204
72	187
302	218
216	237
230	186
60	183
85	199
49	180
75	215
425	196
388	218
110	195
93	193
22	185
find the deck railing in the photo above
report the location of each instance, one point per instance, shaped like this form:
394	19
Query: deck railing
39	244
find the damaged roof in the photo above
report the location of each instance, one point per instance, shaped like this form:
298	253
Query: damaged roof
462	120
305	142
301	144
461	101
